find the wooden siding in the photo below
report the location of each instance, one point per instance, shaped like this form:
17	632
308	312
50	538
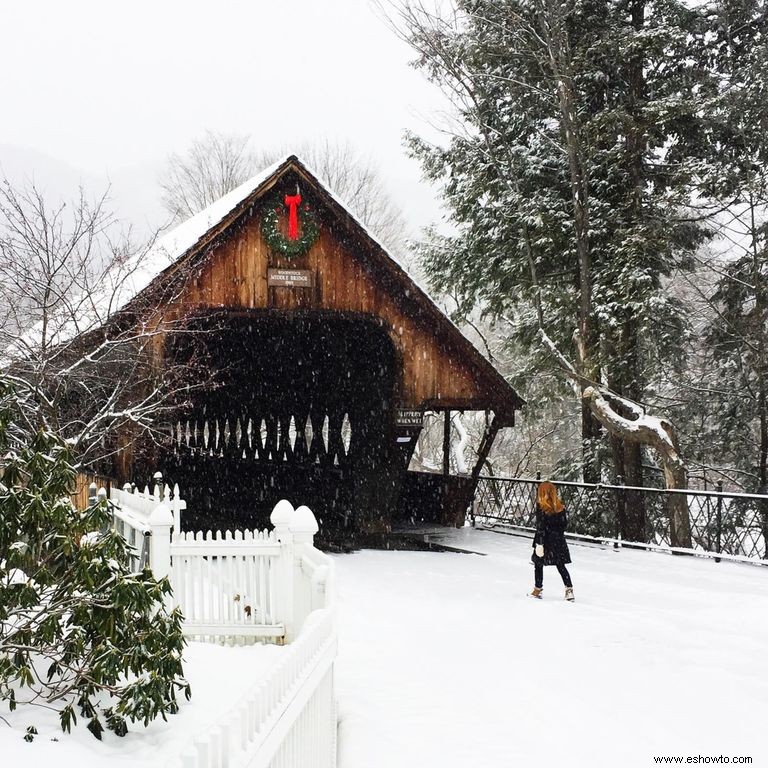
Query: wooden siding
82	482
234	275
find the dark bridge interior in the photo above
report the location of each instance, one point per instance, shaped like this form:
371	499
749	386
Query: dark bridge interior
301	408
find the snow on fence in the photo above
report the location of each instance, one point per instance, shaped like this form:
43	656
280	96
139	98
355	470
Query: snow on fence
257	584
272	585
139	515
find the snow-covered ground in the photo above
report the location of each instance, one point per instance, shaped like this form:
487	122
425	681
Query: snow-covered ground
220	676
445	662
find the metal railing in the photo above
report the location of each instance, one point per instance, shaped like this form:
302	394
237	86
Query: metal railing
730	524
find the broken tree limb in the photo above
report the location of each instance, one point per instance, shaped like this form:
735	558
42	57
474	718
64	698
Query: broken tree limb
657	433
660	435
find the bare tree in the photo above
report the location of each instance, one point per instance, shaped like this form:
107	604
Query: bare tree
217	163
213	165
84	371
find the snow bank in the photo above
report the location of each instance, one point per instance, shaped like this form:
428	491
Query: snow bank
220	676
444	660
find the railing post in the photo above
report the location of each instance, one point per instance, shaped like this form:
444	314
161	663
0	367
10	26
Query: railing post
303	527
719	521
101	496
284	572
621	501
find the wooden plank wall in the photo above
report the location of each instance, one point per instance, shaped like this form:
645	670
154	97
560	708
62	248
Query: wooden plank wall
235	276
82	482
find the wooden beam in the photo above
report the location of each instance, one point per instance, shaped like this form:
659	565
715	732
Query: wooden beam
446	442
485	448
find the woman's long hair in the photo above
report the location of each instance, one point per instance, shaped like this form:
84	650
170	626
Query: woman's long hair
548	499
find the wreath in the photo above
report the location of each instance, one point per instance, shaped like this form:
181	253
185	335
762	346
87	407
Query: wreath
276	240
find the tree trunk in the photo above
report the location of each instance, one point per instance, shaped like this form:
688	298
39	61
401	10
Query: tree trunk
676	476
628	464
589	436
634	520
634	510
554	31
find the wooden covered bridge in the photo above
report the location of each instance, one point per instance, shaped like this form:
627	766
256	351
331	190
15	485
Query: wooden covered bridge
311	357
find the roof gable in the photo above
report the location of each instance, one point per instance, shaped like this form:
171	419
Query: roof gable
196	238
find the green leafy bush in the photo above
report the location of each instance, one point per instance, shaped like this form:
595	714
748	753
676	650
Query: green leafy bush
78	630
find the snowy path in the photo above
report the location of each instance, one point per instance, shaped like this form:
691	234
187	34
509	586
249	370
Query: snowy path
445	662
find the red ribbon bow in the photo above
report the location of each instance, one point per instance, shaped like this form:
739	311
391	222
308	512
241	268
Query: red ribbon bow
293	202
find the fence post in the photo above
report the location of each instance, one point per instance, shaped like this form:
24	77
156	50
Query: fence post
92	491
719	513
280	519
157	491
177	507
303	526
160	521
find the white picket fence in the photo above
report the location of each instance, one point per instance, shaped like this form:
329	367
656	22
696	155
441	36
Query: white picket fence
227	584
274	586
288	720
137	513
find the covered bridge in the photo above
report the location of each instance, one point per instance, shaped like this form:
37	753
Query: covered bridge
311	357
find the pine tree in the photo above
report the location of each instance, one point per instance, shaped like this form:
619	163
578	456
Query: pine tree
737	182
78	630
581	146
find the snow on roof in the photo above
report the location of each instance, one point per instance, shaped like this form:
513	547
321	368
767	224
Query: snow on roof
127	280
172	246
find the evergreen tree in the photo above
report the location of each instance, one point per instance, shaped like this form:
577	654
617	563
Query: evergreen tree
738	334
582	143
78	630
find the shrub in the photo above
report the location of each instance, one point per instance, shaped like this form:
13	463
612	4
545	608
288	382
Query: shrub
78	630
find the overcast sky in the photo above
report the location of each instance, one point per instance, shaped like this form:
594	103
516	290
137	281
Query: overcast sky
92	90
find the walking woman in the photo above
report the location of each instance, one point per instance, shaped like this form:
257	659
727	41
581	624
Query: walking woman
549	545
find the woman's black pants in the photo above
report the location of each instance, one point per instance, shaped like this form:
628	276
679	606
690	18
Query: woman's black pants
538	573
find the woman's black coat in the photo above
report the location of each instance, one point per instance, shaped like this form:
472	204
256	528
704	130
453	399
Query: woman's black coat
550	533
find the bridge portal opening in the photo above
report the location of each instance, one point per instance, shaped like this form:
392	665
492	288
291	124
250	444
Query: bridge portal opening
296	405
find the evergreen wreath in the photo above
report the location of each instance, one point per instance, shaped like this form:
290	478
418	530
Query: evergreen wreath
277	241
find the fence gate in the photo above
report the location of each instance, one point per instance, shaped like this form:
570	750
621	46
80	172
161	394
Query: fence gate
225	584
